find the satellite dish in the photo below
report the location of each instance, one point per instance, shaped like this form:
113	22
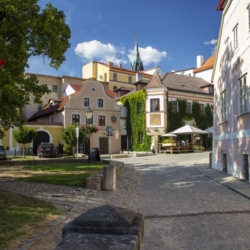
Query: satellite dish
101	77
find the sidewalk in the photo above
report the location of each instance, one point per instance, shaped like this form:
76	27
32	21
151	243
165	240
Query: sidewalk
239	186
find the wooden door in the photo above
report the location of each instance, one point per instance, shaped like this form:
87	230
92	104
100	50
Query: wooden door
103	145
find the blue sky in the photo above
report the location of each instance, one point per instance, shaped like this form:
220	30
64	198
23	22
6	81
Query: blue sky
170	33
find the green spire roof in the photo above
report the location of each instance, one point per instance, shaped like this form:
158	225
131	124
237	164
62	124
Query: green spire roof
137	65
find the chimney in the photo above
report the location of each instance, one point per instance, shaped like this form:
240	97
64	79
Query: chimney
138	77
200	61
110	64
120	65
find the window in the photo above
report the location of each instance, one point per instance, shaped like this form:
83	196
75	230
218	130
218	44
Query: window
223	106
211	90
86	102
202	110
154	104
212	108
129	79
52	119
75	119
243	94
174	106
140	137
101	120
54	89
188	108
114	88
138	87
114	76
248	17
100	103
235	31
139	108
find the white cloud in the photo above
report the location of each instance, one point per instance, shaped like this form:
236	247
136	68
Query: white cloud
148	55
212	42
95	50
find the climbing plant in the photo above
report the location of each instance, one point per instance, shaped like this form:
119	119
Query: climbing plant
178	119
136	121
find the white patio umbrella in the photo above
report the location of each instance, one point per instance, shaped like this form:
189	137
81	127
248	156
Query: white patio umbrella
210	130
169	135
187	129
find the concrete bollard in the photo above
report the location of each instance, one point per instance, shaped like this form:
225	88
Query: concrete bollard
109	178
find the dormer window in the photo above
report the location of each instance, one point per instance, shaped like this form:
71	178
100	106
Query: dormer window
180	84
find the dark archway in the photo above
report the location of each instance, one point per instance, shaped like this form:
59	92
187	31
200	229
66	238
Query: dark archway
41	136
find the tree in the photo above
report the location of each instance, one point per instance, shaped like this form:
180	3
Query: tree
69	137
23	136
27	31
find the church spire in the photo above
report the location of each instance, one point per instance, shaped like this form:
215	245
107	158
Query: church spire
137	64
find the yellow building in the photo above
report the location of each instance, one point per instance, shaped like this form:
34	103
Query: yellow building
115	76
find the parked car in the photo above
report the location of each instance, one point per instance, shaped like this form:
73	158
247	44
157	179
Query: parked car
46	149
2	153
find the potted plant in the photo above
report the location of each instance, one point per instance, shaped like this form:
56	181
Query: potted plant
198	148
169	142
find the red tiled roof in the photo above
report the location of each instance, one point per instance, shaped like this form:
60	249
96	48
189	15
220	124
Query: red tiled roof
220	5
208	64
76	87
47	109
110	93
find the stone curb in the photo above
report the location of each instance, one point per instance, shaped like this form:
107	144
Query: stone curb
224	184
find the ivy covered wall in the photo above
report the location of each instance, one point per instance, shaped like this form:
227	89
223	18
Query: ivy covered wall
176	120
136	121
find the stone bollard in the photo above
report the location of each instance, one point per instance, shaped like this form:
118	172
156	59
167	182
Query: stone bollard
105	227
109	178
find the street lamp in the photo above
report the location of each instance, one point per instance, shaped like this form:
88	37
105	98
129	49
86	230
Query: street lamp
89	115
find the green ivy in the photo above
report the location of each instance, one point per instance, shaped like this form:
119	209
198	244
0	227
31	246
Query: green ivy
176	120
136	123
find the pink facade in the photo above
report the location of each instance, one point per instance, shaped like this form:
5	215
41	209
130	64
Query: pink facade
231	144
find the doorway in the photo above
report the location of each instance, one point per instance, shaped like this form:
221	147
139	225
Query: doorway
224	162
245	167
41	136
124	143
103	145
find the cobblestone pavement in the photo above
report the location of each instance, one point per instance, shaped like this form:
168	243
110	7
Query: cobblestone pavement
185	209
186	205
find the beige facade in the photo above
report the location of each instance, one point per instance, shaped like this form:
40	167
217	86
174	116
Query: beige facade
56	85
72	109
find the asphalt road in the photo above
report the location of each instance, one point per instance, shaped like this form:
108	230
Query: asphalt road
185	209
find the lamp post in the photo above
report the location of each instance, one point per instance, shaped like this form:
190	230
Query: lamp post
89	115
77	138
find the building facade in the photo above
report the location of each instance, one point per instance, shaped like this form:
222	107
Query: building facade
231	80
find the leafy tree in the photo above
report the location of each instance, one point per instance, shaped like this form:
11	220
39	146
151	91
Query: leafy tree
69	137
23	136
27	30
